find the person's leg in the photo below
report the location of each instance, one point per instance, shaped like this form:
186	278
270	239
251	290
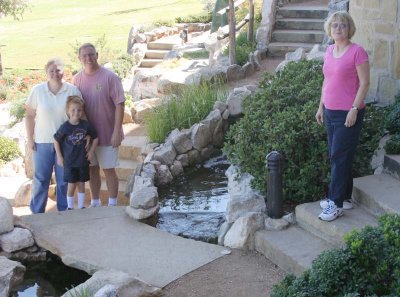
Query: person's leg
43	166
70	195
344	143
81	194
112	185
61	185
95	184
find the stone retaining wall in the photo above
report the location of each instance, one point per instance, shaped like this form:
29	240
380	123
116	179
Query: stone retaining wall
378	31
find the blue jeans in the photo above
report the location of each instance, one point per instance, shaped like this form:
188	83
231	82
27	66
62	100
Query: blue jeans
44	159
342	144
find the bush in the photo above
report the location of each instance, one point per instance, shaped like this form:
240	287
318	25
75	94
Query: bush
204	17
123	64
392	120
281	117
8	150
191	105
368	265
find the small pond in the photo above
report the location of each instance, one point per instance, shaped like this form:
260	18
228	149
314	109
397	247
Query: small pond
49	279
194	205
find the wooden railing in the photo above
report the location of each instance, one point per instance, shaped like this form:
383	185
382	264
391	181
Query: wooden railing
233	27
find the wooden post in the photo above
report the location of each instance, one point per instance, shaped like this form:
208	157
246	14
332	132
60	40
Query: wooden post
1	65
232	33
250	32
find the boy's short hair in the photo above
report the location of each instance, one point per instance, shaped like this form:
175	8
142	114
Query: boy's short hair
74	100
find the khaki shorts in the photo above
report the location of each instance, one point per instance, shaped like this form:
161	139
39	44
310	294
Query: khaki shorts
106	157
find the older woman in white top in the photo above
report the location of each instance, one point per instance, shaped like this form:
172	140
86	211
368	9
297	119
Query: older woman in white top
45	112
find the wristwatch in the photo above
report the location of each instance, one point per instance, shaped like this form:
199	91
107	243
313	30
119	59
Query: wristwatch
354	107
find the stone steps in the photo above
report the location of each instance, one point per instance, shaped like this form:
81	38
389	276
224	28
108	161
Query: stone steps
294	249
156	54
124	169
156	50
297	25
150	63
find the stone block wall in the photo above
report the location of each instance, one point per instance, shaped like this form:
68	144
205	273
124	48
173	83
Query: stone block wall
378	31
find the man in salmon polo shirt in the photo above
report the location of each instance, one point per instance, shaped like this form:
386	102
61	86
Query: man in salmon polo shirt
104	99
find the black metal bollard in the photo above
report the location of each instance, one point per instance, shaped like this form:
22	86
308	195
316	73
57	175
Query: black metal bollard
274	185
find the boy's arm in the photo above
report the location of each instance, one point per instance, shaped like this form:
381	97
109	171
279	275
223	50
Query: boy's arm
60	159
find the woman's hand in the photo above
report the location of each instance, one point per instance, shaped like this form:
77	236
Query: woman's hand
351	118
319	116
31	144
60	161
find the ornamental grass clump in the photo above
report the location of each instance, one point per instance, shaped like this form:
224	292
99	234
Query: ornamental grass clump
190	105
281	117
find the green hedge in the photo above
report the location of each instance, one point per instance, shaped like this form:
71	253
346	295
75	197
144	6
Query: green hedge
368	265
281	116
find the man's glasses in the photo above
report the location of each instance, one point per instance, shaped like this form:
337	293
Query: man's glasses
338	25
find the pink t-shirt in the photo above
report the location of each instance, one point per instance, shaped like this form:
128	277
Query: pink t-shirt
341	81
101	92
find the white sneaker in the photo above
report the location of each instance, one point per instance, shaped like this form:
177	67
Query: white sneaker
347	204
331	213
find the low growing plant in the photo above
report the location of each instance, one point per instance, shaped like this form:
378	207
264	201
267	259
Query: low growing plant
8	150
191	105
368	265
281	117
393	145
204	17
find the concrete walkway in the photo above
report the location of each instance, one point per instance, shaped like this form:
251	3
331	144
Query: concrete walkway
104	238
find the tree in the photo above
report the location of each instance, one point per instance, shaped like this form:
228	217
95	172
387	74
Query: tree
14	8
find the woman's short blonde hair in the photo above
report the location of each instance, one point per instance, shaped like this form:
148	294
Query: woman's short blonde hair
54	61
341	16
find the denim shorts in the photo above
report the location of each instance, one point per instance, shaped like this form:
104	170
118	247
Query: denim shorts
76	174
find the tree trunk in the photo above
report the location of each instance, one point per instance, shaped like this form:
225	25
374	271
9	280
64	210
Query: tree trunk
232	33
1	65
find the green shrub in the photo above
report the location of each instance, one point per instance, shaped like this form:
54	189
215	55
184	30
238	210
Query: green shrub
368	265
204	17
17	111
243	47
393	145
392	119
200	54
123	64
8	150
281	117
191	105
163	22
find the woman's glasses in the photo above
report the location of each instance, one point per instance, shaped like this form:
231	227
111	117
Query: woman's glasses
338	25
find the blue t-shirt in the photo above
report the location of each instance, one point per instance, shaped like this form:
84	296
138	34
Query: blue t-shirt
72	141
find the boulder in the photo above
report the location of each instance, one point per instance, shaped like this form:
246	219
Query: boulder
165	153
125	285
164	176
145	198
6	216
218	135
234	72
127	116
240	205
276	224
235	100
142	182
176	168
11	275
297	55
148	171
183	159
107	291
212	119
221	106
201	135
194	157
241	234
23	195
182	142
143	107
15	240
248	69
141	214
240	184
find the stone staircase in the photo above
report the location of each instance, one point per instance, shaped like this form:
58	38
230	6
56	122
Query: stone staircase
156	51
298	25
295	248
130	151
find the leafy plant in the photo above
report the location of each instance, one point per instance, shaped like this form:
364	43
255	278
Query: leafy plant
281	116
201	54
163	22
82	292
123	64
204	17
393	145
368	265
191	105
392	120
8	150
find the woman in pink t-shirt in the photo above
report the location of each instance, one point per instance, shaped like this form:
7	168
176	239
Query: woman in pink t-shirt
342	107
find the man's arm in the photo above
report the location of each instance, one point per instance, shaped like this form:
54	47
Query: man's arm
116	137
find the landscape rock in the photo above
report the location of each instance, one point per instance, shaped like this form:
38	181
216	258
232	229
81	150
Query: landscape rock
15	240
127	116
222	232
6	216
107	291
297	55
176	168
234	72
126	286
241	234
235	100
206	152
218	136
11	275
248	69
141	214
193	157
221	106
142	182
317	52
240	205
165	153
182	142
212	119
146	197
164	176
240	184
23	195
201	135
148	171
183	159
276	224
143	107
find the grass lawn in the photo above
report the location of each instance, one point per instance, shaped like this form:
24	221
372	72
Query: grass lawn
51	26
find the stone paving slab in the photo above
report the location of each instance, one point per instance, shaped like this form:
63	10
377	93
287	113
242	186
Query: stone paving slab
104	238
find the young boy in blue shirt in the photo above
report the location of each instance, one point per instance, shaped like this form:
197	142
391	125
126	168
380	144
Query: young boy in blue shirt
73	149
